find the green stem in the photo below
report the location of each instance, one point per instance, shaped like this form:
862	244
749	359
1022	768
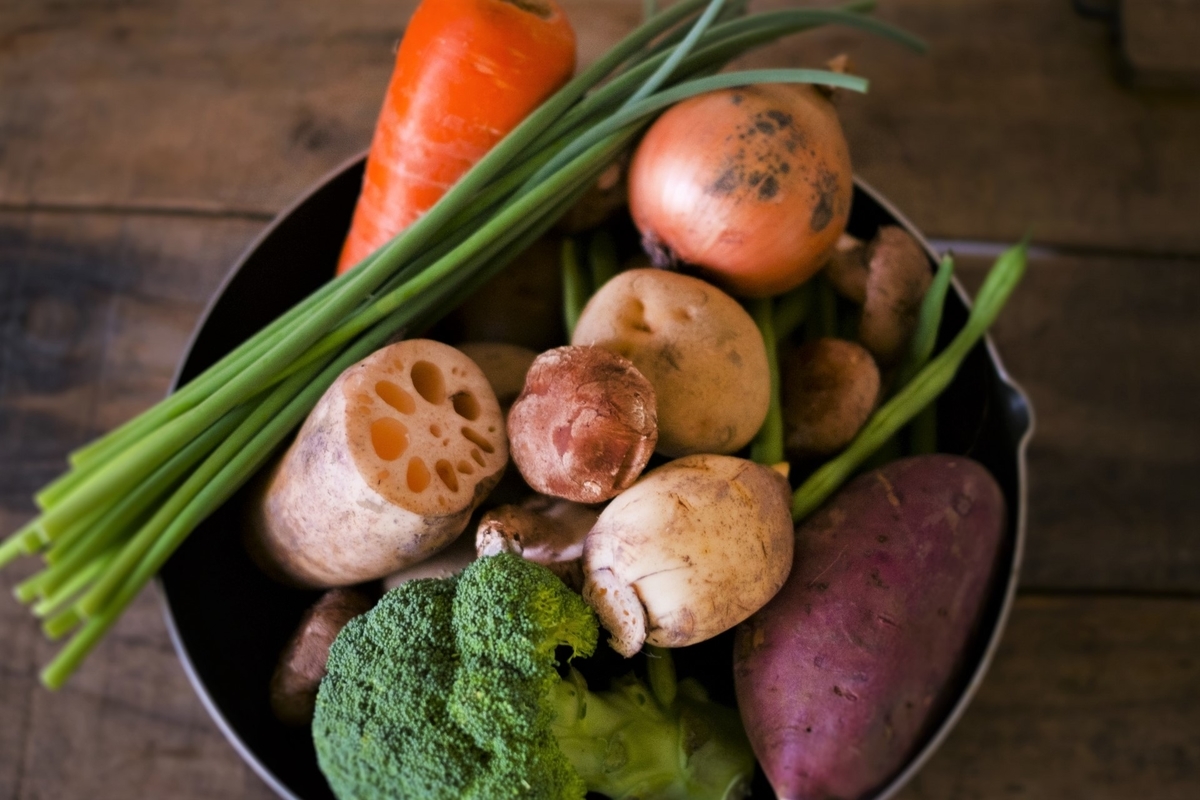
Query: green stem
767	447
929	320
193	391
677	54
230	445
602	258
575	285
58	599
791	311
61	623
826	308
116	521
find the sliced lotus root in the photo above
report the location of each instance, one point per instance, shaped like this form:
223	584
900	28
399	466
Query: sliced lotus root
386	470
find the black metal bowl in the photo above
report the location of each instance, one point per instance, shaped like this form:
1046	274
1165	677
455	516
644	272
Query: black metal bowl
229	622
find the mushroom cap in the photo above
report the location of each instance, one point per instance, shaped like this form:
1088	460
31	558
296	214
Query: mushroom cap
585	424
899	274
830	386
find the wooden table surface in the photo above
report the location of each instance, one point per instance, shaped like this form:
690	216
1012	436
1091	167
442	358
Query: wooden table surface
144	144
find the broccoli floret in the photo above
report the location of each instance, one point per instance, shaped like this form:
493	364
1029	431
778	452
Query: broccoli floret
450	688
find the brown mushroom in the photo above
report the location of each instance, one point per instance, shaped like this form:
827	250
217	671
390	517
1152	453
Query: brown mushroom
829	388
899	275
585	424
302	663
546	530
847	269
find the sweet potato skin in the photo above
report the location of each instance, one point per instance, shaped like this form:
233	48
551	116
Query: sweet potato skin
841	673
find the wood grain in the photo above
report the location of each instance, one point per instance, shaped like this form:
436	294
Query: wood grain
1088	699
1106	348
95	312
128	724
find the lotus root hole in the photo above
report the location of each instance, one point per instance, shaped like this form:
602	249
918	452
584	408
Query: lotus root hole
478	456
429	382
465	405
396	397
436	430
478	440
418	475
445	471
389	437
465	468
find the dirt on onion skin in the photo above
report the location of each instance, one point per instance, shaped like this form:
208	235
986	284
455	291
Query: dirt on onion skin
749	189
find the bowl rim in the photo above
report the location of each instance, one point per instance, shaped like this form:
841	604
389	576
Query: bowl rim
915	764
951	719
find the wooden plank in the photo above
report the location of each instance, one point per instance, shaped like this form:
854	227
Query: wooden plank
1106	348
211	106
1158	41
1089	699
17	671
95	313
214	106
1014	119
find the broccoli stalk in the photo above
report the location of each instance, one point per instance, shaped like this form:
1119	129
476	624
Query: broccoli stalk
449	688
632	741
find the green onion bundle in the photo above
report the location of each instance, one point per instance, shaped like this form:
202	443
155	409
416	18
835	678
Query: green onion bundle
131	497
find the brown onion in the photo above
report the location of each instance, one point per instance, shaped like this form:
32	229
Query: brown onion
752	186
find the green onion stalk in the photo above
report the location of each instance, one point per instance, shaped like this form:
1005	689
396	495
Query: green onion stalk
131	497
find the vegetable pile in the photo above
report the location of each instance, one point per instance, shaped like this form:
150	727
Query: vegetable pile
713	389
131	497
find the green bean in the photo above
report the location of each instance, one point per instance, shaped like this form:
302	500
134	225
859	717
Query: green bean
767	446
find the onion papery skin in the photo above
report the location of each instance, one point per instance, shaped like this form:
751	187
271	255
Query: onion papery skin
750	186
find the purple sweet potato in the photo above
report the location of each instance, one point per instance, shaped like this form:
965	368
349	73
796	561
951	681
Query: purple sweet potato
840	675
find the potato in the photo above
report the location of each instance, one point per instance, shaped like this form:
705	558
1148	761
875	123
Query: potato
839	676
698	347
385	471
689	551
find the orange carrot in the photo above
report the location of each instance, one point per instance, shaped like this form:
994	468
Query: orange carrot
466	73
